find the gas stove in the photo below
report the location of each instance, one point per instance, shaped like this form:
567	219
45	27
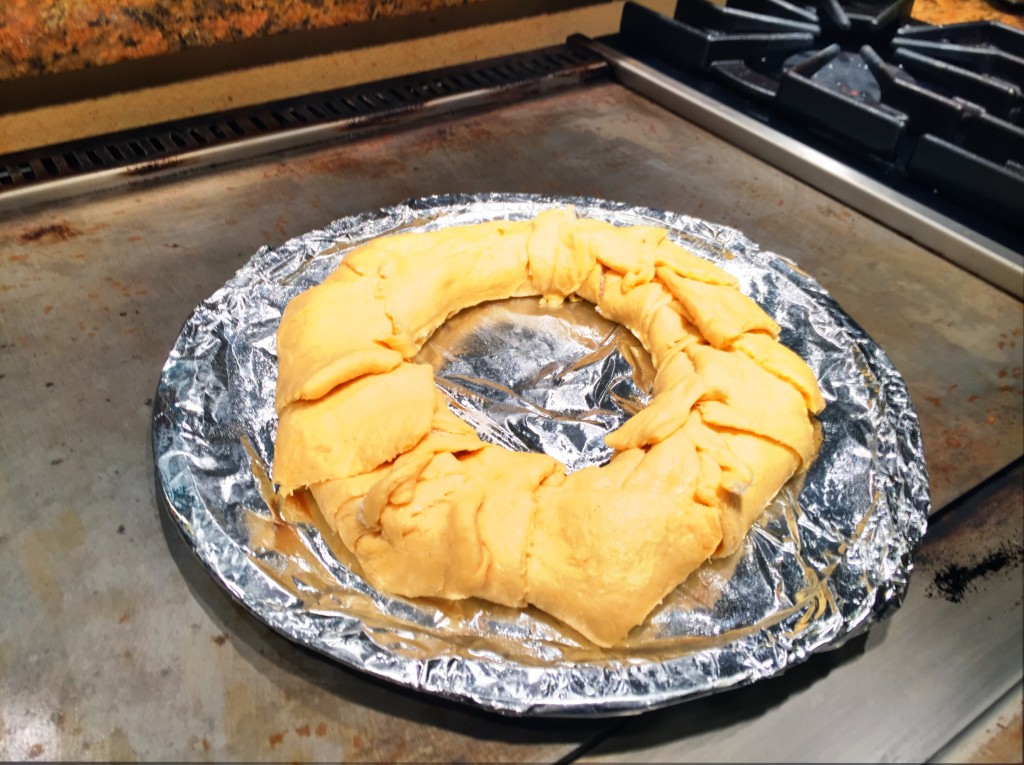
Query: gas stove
927	119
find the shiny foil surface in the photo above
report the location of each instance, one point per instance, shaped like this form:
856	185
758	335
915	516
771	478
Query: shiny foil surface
828	558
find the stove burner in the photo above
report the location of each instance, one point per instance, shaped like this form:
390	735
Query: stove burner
937	110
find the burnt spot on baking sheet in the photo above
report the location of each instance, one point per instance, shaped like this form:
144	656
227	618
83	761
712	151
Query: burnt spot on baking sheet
220	639
55	232
955	581
120	529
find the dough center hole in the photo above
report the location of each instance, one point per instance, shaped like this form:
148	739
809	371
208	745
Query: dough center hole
543	379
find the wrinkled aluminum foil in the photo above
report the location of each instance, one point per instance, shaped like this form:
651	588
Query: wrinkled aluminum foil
831	556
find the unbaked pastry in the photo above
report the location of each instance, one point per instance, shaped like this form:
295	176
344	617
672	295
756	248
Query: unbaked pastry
430	510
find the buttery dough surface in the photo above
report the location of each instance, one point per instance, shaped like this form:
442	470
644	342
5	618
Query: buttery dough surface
430	510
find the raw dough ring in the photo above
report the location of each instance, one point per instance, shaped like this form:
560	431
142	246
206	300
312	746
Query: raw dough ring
430	510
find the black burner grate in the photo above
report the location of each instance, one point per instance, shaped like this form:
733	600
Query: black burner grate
934	111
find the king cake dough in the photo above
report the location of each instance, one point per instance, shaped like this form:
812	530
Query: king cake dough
431	510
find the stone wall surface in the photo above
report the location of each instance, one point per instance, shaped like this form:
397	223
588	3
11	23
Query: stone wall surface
50	36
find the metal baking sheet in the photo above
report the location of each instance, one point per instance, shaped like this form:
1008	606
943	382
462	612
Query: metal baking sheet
831	556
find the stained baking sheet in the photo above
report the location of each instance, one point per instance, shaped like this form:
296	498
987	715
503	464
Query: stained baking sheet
831	556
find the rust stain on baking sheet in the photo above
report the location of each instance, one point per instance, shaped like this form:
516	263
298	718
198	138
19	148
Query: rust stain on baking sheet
275	739
375	169
147	168
281	226
828	211
397	752
1003	742
55	232
119	748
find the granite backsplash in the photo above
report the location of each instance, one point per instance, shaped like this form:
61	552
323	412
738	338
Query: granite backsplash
51	36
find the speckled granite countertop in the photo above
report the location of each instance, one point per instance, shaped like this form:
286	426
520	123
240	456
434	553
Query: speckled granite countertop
48	36
953	11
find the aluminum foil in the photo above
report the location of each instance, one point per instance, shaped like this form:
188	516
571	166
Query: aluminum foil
831	556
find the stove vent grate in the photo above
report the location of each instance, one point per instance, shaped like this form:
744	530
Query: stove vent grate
301	120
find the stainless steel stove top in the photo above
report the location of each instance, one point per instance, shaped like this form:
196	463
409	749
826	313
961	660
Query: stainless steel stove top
98	276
